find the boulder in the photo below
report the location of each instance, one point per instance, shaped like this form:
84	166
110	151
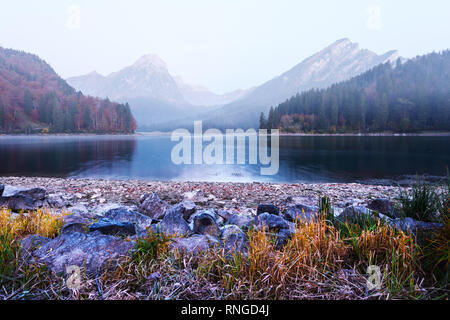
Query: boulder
282	229
302	213
125	215
386	207
409	225
225	215
205	223
174	223
243	222
92	251
267	208
56	201
359	213
270	222
113	227
195	244
81	211
18	198
187	209
154	207
233	239
31	243
283	236
74	223
2	187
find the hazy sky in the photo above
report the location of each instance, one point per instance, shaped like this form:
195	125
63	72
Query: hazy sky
221	44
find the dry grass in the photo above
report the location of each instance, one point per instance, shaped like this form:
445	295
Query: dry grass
42	222
17	277
319	262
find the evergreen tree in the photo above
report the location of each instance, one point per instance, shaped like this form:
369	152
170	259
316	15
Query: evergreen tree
28	104
262	121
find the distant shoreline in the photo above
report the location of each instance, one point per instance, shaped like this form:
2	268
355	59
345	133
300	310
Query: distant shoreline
158	133
423	134
383	134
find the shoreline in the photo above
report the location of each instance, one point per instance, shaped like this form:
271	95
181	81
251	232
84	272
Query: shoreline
158	133
237	197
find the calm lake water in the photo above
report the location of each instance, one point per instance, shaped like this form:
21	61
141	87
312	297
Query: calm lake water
302	159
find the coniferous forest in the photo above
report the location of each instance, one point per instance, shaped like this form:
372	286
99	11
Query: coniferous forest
34	99
413	96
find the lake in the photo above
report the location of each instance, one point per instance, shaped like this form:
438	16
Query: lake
374	159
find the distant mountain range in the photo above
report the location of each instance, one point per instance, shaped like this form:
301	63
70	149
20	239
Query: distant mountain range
154	95
340	61
201	96
34	98
413	96
160	101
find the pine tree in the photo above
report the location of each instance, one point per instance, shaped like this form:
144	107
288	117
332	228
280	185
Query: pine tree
262	121
28	104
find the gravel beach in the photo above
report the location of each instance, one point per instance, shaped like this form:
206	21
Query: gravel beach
235	197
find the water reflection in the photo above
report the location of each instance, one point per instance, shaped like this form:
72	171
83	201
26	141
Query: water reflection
302	159
63	156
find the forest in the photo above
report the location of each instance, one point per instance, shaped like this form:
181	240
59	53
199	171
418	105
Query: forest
34	99
408	97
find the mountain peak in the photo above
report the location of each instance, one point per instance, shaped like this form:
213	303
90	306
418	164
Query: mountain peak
342	44
150	61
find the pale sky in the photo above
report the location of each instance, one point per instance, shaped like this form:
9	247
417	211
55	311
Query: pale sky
221	44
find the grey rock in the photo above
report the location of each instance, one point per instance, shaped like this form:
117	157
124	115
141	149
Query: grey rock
74	223
234	240
385	206
18	198
31	243
282	229
268	208
283	236
243	222
174	223
271	222
410	225
302	213
195	244
80	210
101	210
356	214
187	209
125	215
154	207
113	227
93	251
205	223
225	215
2	187
56	201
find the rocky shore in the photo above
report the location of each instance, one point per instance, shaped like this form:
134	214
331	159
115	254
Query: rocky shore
236	197
103	221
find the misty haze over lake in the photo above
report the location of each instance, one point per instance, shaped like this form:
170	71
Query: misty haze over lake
302	159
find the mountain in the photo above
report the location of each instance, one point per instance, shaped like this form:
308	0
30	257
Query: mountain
201	96
405	97
162	102
154	95
340	61
33	98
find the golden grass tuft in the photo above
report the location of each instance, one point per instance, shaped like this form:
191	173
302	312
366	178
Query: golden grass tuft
42	222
